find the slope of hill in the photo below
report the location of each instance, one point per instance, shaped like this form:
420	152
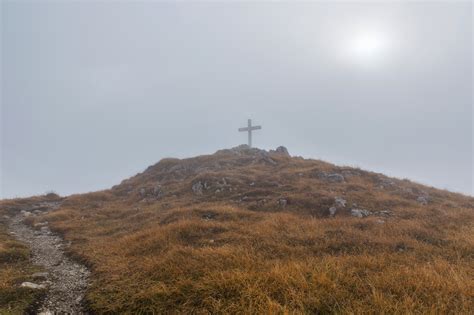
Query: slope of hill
250	231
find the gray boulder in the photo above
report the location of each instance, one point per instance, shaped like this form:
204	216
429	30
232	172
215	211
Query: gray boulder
360	213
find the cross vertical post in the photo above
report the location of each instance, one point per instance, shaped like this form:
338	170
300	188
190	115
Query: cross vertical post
249	125
249	129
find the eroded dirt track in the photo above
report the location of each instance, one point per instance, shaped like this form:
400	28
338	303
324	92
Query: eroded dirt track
65	280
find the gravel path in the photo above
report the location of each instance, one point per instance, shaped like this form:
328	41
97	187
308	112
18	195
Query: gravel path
66	281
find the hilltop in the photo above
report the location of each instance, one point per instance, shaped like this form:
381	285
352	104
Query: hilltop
246	230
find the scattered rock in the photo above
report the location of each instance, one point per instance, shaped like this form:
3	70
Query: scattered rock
360	213
401	247
26	213
158	192
45	230
385	182
384	213
340	202
267	160
379	221
208	216
282	202
197	188
142	192
422	200
335	178
32	285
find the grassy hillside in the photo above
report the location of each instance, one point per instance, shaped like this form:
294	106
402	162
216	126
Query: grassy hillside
250	231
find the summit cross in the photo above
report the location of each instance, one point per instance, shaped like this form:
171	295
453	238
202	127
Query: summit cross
249	129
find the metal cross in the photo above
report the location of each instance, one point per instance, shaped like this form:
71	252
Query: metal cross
249	129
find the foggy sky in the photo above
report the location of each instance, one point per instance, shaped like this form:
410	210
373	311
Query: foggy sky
94	92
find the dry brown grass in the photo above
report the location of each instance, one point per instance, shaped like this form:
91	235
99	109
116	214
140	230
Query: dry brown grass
223	253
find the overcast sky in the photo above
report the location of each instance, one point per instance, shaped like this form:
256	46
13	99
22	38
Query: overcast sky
93	93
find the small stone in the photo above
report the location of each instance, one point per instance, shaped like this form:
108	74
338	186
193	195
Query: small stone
158	192
340	202
379	221
384	213
32	285
197	188
282	202
208	216
401	247
332	211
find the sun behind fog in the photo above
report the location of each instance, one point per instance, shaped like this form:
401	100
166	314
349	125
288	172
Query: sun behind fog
367	48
